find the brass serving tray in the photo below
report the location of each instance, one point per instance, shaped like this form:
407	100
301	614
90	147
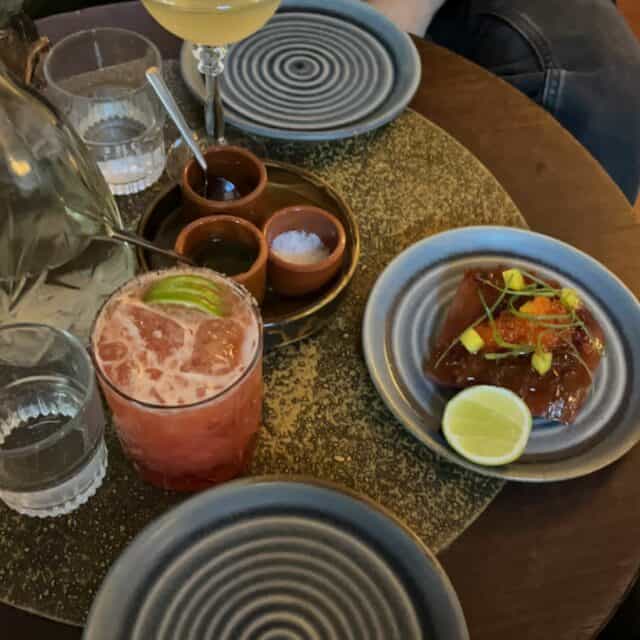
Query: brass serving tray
286	320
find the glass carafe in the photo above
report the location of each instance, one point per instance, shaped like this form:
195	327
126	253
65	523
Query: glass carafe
53	201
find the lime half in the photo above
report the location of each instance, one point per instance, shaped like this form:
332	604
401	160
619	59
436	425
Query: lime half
487	425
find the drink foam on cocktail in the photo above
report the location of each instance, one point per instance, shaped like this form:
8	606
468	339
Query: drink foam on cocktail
171	355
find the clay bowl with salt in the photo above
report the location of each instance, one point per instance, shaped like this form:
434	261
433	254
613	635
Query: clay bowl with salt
306	249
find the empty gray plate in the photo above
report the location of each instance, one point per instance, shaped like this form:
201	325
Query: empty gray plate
267	559
408	304
316	71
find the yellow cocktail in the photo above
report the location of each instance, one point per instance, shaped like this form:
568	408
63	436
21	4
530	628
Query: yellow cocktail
211	25
211	22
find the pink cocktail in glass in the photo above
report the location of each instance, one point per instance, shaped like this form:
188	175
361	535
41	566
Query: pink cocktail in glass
184	386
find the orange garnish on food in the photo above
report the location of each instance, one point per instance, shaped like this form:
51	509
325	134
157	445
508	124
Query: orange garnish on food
526	331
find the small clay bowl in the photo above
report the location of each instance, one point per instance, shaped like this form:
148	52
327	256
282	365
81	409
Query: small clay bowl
293	279
234	229
239	166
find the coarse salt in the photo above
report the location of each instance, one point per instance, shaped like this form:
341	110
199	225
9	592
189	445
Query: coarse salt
299	247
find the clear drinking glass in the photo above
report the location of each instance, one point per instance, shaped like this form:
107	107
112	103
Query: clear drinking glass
97	78
52	452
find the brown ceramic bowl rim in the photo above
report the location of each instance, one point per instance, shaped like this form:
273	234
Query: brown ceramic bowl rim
263	250
316	266
226	205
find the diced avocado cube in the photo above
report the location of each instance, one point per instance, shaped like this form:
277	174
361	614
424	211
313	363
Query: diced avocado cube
471	340
541	361
570	298
513	279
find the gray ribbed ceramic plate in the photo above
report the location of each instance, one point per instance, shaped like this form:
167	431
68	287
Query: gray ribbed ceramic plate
270	559
408	304
316	71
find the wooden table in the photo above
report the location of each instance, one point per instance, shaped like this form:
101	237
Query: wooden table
544	561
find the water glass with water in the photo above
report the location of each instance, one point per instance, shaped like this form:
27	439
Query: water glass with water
97	78
52	452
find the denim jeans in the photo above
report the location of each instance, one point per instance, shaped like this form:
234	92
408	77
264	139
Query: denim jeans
576	58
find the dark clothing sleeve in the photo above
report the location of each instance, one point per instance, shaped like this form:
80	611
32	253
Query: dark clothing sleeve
576	58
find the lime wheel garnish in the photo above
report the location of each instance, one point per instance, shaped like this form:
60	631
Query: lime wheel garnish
195	292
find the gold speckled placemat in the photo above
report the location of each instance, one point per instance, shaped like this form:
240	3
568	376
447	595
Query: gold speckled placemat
322	415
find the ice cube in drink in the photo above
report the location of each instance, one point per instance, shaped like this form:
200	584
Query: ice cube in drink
184	385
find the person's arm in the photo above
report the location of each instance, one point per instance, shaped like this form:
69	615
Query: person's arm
413	16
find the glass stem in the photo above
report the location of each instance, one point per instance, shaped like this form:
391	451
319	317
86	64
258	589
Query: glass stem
209	116
211	65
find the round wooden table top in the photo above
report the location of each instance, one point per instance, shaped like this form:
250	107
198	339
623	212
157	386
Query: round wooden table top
544	561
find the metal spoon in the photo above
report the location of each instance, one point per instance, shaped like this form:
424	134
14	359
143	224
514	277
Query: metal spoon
216	188
105	230
222	189
121	235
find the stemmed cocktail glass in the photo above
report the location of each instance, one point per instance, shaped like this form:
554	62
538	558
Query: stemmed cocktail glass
212	25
